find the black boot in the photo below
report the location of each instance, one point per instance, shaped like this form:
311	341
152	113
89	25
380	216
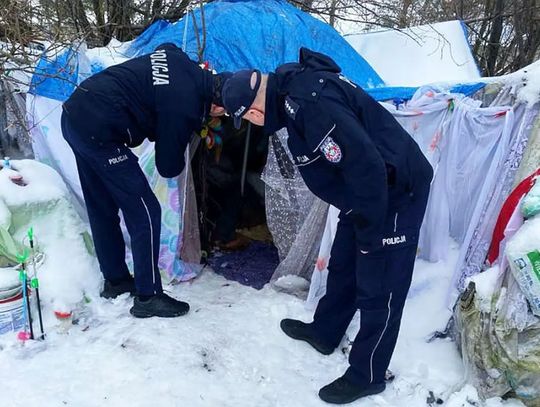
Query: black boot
304	332
159	305
343	391
113	290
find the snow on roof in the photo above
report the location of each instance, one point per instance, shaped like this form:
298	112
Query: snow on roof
526	82
419	55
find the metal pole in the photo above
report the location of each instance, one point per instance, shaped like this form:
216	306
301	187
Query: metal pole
244	163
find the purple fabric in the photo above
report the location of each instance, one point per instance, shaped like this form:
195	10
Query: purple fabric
253	266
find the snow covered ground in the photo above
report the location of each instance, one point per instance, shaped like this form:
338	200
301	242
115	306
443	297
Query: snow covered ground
229	351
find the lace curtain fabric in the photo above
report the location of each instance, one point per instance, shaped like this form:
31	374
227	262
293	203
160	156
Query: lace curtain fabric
474	249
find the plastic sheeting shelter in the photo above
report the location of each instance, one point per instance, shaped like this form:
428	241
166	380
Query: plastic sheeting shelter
239	34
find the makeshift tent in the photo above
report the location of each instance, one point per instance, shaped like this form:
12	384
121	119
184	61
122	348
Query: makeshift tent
276	33
274	42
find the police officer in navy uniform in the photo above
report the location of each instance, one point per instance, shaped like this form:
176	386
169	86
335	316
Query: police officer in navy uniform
353	154
163	97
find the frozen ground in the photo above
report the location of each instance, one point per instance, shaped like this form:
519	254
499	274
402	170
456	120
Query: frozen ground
228	351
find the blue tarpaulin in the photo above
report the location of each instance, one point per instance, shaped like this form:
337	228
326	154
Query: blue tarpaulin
56	76
260	34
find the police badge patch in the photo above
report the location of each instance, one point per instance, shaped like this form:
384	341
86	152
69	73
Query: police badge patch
331	150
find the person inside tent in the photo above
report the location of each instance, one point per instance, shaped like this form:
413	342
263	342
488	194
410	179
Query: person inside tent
163	97
353	154
232	209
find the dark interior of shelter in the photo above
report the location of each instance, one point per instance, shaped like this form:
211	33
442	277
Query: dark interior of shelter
227	168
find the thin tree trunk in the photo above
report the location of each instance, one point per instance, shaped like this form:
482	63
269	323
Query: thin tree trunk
157	5
305	5
100	21
79	17
494	44
332	21
483	28
402	19
119	18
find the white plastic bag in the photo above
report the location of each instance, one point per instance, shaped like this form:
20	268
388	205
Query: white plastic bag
531	203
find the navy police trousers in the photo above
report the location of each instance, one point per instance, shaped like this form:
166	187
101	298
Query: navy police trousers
112	181
375	283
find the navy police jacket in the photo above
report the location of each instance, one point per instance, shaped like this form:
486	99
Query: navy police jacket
163	96
349	149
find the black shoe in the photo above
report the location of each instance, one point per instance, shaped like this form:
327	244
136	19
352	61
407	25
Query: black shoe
304	332
159	305
111	290
343	391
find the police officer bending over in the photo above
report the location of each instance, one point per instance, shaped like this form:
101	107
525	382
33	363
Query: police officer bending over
163	97
353	154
